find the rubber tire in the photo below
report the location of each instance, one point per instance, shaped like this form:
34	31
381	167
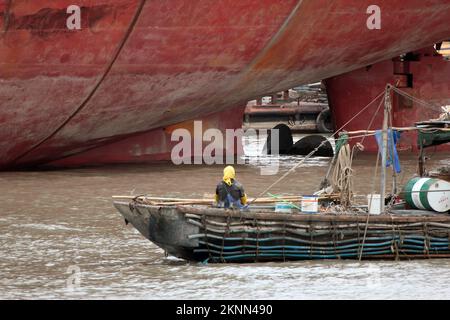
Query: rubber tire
320	121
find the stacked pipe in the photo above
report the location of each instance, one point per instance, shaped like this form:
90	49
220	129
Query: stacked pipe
241	239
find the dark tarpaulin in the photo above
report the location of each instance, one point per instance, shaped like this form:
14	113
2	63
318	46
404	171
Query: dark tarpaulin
432	138
433	135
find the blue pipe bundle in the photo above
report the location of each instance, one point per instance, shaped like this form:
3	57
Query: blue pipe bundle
246	241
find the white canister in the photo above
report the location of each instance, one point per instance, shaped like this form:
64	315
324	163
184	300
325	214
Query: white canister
310	204
374	203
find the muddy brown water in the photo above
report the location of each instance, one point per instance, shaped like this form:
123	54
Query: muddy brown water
61	238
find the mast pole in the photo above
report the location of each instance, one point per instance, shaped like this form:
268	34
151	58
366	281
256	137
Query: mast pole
392	149
387	108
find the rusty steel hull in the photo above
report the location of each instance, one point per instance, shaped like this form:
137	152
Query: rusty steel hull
137	66
426	77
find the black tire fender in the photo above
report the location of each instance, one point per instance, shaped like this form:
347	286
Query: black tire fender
321	119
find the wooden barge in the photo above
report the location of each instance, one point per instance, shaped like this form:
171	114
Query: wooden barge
193	230
222	235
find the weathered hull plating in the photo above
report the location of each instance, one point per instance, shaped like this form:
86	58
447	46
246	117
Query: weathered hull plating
425	77
136	65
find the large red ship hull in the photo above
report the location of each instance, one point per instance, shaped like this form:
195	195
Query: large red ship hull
136	65
425	75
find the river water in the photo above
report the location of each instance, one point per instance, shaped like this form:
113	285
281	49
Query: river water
61	238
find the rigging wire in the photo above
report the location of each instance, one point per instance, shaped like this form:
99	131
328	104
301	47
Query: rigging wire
317	148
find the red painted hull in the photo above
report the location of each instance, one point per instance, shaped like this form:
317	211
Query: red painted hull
136	65
157	144
429	81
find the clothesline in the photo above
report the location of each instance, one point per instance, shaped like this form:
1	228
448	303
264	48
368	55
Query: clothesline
371	132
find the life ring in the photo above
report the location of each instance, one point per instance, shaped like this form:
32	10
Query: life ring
323	122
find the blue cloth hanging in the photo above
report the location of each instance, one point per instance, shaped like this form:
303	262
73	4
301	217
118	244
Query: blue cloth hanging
393	137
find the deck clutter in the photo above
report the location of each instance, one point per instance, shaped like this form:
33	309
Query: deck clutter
395	222
302	109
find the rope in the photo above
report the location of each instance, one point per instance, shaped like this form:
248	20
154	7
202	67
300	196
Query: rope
424	103
205	235
316	149
370	204
342	178
394	241
362	136
373	182
401	129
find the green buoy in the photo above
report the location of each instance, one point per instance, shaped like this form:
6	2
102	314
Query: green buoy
428	194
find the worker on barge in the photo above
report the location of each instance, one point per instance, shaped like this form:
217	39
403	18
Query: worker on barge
229	192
